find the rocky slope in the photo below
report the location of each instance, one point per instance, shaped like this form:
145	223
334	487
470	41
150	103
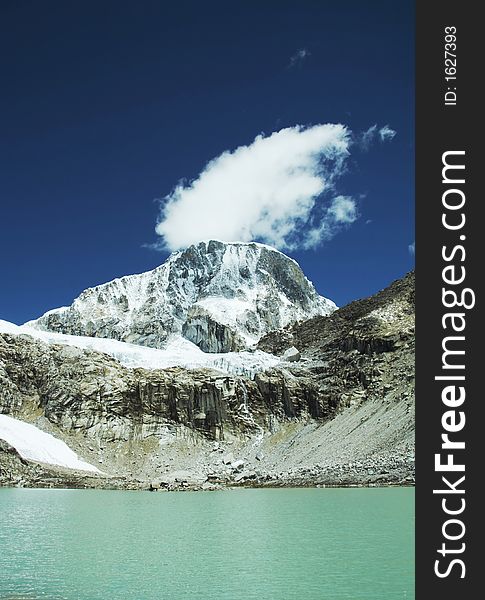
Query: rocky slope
220	296
337	410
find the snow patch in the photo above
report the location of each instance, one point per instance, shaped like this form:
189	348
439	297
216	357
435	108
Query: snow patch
36	445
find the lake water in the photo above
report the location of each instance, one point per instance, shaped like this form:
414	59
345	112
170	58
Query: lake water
274	544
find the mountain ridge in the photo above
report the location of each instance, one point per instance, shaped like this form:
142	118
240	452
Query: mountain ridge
337	410
221	296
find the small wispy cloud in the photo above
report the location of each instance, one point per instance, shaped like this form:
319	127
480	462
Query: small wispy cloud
299	56
386	133
368	137
343	209
412	248
340	213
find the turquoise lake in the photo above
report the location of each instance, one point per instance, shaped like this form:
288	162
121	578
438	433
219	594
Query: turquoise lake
275	544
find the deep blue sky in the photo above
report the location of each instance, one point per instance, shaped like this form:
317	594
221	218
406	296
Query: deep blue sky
106	105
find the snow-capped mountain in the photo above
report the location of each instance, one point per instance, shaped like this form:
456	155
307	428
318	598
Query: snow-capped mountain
220	296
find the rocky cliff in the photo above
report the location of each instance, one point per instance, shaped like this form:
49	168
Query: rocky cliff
221	296
338	408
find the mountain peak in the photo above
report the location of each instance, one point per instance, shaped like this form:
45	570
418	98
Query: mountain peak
222	296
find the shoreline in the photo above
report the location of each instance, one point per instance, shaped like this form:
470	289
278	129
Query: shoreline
214	489
121	484
17	472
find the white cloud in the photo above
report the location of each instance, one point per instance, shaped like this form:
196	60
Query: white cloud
343	209
384	134
368	137
279	189
412	248
341	212
299	56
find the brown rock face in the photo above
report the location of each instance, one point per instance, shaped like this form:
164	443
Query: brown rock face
87	391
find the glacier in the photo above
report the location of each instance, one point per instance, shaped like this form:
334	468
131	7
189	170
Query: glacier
178	352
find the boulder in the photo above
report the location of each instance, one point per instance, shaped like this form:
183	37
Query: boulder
292	354
227	459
